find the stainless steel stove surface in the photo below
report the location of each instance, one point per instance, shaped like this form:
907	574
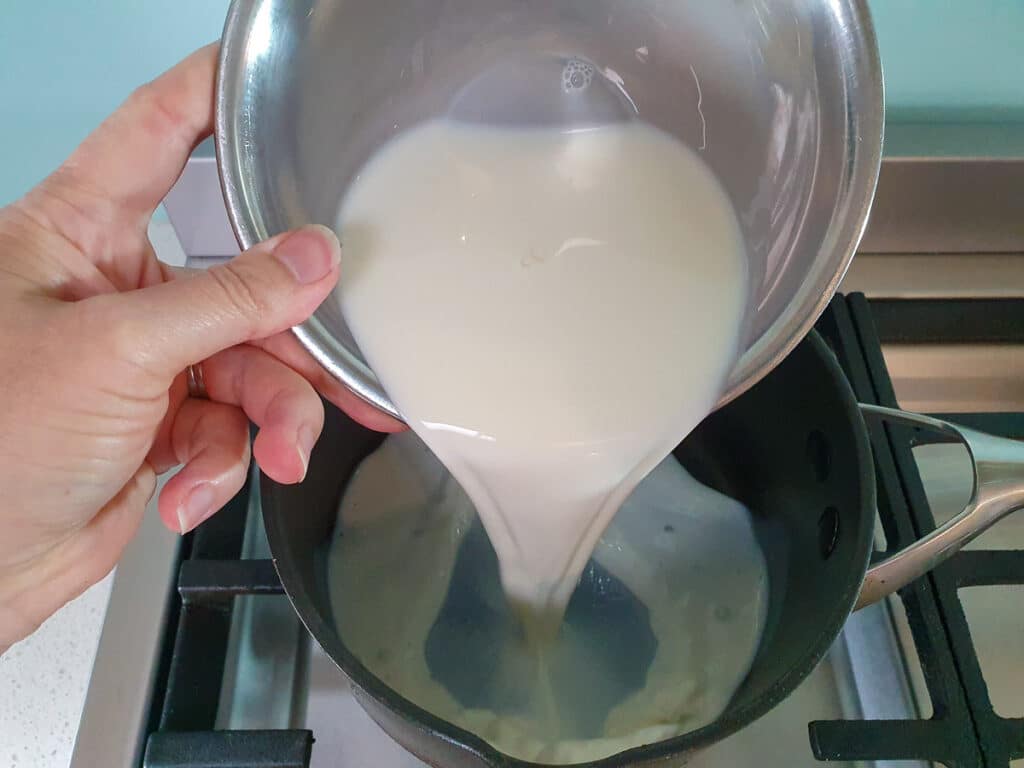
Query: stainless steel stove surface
224	674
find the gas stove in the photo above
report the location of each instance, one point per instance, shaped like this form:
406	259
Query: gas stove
202	661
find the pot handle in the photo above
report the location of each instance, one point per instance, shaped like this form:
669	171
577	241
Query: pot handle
998	490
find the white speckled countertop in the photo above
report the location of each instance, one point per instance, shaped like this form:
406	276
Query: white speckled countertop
45	678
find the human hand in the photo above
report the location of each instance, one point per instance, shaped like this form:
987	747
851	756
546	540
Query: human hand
96	334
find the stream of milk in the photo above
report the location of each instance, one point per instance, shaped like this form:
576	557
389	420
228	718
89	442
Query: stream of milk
406	555
551	312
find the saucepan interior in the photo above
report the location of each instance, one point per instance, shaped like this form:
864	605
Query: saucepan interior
793	450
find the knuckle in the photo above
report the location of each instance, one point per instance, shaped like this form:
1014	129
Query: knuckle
126	344
241	291
119	339
293	397
280	407
101	322
157	116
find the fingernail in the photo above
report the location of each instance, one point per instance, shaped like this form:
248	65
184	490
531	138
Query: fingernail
307	439
310	254
198	506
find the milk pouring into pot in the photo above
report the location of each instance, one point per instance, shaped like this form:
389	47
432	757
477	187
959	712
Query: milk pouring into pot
552	312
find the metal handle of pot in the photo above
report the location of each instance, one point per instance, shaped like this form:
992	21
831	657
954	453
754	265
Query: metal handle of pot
998	465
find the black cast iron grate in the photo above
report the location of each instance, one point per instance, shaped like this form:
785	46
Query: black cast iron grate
188	686
964	732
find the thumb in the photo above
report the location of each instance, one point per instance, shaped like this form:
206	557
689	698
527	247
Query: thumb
268	289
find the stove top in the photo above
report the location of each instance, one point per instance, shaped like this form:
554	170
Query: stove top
216	669
239	684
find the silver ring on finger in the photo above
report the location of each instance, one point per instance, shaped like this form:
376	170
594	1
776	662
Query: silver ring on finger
196	382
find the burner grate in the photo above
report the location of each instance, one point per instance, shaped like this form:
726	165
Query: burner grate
230	749
965	731
211	576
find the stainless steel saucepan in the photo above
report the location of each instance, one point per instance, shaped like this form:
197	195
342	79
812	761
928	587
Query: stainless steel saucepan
782	99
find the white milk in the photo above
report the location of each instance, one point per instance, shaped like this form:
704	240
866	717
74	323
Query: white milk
687	553
551	313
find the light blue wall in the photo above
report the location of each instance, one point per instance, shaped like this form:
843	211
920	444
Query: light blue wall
952	60
65	64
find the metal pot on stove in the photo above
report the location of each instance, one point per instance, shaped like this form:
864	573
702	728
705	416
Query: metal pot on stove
788	114
794	449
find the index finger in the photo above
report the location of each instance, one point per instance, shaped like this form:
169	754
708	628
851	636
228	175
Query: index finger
137	154
286	348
